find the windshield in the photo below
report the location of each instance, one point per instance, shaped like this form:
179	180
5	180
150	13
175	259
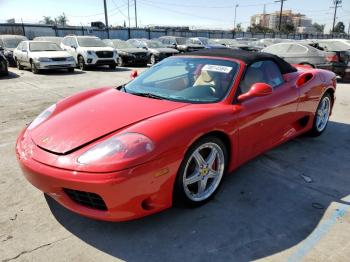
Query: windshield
187	79
12	42
91	42
56	40
154	44
43	46
122	44
180	40
204	41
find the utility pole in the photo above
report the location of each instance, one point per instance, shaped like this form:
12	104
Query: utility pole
129	12
349	29
135	14
106	18
336	5
279	23
234	21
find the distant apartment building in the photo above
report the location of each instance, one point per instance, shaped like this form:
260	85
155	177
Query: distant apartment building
300	21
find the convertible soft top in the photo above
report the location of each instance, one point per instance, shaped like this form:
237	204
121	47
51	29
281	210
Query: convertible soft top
247	57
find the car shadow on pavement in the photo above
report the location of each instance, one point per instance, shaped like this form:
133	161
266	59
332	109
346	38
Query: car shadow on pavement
264	207
61	72
9	76
107	69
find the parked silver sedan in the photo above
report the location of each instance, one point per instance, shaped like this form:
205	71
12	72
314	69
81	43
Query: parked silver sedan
301	53
38	55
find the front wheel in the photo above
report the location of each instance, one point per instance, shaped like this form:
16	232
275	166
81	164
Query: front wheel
201	172
34	69
81	63
19	66
153	60
322	115
112	67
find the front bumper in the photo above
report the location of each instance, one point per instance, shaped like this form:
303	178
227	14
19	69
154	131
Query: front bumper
127	194
55	65
94	60
128	59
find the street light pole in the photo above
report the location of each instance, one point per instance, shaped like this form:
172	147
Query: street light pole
129	12
135	14
234	21
280	21
106	17
336	5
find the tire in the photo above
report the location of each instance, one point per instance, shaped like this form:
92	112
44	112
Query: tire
19	66
194	190
112	67
121	62
153	60
321	115
34	69
70	70
81	63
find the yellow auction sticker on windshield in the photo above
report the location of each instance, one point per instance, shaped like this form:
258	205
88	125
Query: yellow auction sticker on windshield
217	68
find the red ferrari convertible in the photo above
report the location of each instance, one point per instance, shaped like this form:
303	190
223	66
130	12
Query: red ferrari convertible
171	134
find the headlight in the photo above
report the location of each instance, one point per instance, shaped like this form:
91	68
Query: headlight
119	147
44	59
71	58
42	117
90	52
8	53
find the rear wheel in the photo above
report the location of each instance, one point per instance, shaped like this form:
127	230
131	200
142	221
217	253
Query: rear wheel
322	115
201	172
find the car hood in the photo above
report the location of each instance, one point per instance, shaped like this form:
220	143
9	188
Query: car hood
104	48
90	115
132	50
50	54
164	50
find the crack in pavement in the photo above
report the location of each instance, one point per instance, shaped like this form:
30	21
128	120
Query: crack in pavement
30	251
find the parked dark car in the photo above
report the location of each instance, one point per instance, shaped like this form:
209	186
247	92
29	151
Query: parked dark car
157	50
303	54
180	43
205	42
234	44
9	43
128	54
3	63
55	39
341	58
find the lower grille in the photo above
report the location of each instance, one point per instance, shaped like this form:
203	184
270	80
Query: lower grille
58	59
87	199
104	54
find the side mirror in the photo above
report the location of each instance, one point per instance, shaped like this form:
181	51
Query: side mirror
72	46
134	74
257	90
23	50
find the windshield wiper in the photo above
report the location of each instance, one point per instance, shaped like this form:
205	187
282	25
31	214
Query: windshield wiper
150	95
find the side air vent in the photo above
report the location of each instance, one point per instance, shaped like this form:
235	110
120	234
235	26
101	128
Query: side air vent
304	78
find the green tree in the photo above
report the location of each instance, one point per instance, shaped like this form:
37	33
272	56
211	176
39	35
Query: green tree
239	28
47	20
288	28
319	28
339	28
259	29
62	19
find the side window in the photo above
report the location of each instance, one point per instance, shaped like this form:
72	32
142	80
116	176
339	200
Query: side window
73	42
64	41
261	72
20	46
295	48
24	46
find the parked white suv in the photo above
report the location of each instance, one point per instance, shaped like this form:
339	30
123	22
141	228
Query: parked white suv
89	51
38	55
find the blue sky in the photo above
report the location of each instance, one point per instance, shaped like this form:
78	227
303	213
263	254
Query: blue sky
194	13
